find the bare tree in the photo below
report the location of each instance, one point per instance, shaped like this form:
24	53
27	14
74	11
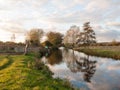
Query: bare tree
71	35
33	38
26	47
13	38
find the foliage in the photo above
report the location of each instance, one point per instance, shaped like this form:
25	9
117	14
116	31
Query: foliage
87	37
33	38
71	35
55	38
34	35
46	43
114	42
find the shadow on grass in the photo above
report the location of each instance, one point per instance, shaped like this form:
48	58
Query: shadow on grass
7	64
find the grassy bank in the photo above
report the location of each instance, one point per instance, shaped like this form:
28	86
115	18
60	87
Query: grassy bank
110	53
19	72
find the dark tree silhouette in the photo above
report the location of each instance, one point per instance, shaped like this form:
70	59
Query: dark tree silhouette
87	37
55	38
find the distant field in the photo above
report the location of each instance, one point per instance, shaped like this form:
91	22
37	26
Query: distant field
102	51
112	48
18	73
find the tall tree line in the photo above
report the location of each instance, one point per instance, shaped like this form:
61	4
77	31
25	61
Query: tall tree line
76	37
73	36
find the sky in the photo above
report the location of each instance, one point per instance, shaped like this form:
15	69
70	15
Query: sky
19	16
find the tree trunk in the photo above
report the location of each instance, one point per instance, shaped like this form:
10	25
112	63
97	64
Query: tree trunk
26	49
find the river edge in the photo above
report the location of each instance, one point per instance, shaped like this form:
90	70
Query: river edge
28	73
107	53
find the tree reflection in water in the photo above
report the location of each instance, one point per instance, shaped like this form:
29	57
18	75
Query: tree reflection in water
80	64
88	67
55	57
74	62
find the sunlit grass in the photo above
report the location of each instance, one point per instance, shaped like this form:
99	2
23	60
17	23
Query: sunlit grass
110	53
3	62
18	73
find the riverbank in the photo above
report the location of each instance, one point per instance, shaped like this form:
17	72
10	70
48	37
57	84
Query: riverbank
109	52
19	72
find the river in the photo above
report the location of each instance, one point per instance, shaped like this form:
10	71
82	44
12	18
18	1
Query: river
84	71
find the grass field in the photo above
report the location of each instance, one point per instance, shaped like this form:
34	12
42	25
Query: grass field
102	51
18	72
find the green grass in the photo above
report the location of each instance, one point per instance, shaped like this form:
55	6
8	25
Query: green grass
101	52
3	62
18	72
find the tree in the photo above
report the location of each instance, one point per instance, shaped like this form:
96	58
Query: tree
113	42
26	47
46	43
71	35
87	37
33	38
55	38
13	38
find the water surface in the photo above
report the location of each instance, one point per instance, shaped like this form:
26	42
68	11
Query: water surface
84	71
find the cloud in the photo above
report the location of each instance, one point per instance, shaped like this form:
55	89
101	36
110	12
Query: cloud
22	2
115	66
13	27
91	11
115	24
104	34
66	4
61	14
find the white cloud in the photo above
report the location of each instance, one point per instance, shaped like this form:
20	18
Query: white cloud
115	66
66	4
116	24
60	14
105	33
13	27
97	5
